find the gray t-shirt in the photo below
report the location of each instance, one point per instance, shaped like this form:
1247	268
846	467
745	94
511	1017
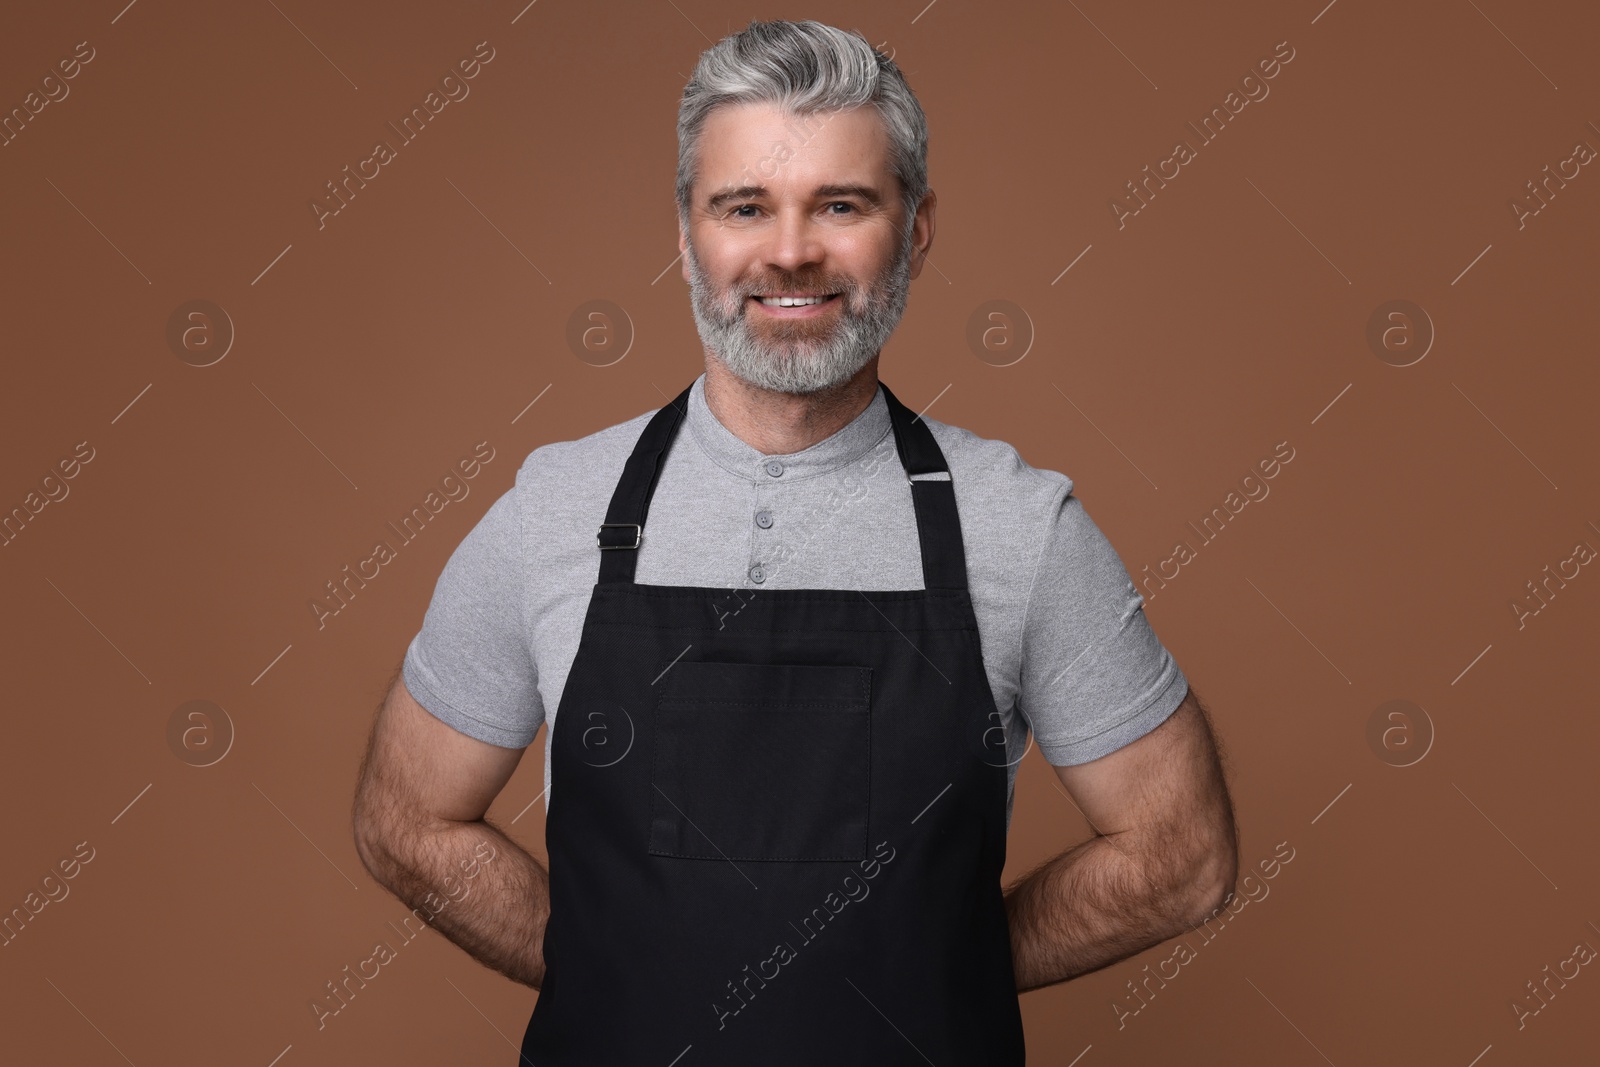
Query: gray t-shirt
1065	642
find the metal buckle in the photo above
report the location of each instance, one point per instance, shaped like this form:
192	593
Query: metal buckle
637	530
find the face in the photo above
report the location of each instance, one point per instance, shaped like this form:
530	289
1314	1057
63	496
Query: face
785	206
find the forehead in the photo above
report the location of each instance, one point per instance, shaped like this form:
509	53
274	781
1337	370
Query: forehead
761	144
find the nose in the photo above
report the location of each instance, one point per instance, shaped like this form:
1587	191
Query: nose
795	242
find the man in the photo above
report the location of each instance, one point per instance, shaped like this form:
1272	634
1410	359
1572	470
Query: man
797	636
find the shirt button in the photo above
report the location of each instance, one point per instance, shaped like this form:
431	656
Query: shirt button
774	468
757	574
764	519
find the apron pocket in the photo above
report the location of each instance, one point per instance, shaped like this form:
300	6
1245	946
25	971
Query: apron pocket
762	761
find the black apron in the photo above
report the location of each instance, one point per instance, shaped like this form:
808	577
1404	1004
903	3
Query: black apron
777	817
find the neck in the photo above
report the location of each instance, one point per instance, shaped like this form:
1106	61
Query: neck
778	424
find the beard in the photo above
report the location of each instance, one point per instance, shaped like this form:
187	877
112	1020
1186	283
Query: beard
802	355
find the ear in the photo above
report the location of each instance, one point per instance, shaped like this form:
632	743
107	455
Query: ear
922	232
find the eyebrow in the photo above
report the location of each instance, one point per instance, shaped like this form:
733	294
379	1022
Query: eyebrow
756	192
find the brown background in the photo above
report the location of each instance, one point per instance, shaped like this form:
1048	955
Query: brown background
370	355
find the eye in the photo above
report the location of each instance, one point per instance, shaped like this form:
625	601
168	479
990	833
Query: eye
843	203
741	207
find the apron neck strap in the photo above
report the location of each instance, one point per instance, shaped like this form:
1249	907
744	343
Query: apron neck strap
944	564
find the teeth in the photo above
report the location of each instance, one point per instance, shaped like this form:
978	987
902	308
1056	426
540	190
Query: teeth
792	301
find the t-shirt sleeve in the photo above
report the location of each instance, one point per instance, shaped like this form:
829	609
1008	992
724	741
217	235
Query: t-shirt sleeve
470	665
1094	675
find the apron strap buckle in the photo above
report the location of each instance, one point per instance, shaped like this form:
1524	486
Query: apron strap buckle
637	530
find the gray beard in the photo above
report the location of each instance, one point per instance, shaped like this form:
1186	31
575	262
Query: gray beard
788	364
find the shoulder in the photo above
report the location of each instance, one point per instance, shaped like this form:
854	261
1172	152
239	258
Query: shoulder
557	469
991	476
1010	510
563	488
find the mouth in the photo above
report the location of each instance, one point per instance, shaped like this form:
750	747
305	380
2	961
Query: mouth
785	306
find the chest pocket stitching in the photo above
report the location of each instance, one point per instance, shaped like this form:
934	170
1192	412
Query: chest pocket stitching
682	777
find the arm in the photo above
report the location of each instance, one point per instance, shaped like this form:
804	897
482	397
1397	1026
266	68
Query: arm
1164	855
418	817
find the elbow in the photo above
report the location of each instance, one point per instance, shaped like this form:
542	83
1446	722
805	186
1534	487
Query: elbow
364	837
368	833
1215	876
387	836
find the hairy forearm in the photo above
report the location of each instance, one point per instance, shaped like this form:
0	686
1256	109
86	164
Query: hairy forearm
1096	903
494	908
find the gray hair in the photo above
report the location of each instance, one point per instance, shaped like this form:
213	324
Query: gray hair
804	68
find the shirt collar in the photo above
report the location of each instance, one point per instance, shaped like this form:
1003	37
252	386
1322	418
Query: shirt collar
731	452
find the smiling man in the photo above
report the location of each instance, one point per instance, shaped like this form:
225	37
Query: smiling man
798	637
796	302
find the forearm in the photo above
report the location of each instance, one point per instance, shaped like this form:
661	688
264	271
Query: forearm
495	909
1096	903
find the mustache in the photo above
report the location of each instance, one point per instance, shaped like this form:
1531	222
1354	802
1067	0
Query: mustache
785	286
